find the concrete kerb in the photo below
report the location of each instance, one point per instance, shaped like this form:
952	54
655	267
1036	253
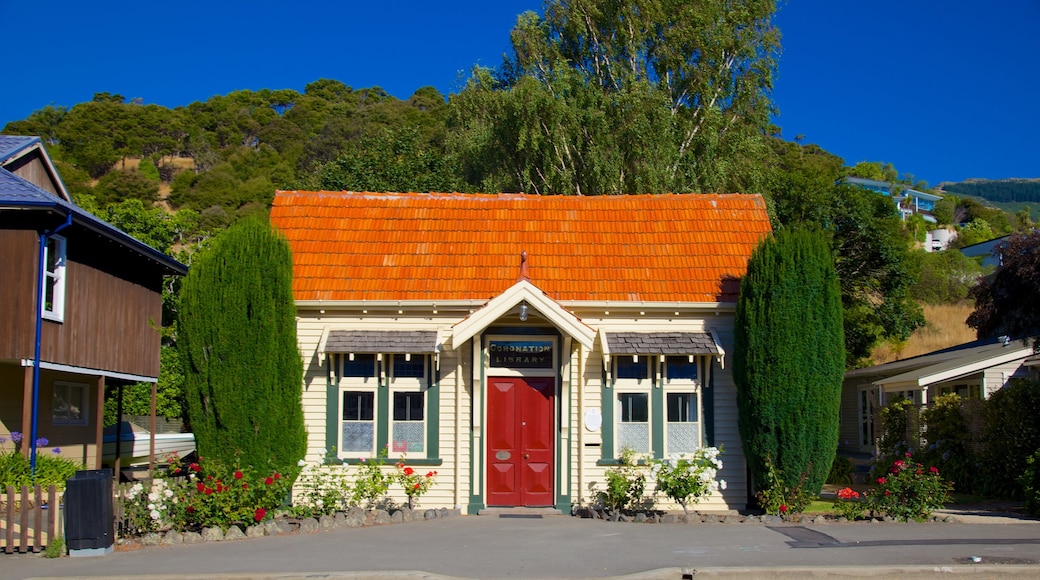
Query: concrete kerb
748	573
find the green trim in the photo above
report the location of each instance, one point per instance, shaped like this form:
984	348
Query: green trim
657	420
708	404
433	412
563	479
612	462
382	419
607	428
429	461
331	405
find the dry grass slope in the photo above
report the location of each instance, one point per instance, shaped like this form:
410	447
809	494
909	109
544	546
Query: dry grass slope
945	327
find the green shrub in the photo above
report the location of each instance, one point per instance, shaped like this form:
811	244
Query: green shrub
780	499
847	504
1030	481
55	549
1012	433
909	491
841	471
51	467
372	482
626	484
688	479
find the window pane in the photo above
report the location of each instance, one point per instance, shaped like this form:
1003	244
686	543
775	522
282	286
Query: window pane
363	365
633	407
61	402
358	405
408	406
683	437
408	437
53	251
409	368
682	407
635	436
358	437
49	286
629	369
680	367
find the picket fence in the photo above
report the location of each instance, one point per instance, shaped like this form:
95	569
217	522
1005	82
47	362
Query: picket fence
29	519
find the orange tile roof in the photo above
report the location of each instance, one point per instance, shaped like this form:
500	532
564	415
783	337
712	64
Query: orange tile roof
437	247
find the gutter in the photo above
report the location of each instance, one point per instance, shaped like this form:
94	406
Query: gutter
40	272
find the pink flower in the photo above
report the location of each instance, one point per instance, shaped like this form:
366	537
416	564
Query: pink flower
934	470
881	480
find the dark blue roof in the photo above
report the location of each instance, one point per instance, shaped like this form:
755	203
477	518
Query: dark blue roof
11	144
16	192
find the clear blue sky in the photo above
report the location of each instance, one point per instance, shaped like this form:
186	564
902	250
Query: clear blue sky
943	90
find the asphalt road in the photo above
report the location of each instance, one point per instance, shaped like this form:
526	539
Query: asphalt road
568	547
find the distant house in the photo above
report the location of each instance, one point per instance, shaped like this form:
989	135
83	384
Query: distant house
81	307
517	343
973	370
987	251
908	201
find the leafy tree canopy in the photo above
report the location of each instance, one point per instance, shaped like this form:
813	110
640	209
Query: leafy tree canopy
639	96
1008	302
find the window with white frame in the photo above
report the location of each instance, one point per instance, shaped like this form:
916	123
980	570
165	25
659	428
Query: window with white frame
633	421
359	426
682	405
632	382
408	404
53	305
69	406
972	392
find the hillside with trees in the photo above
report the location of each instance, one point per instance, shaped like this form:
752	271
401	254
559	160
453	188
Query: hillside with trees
669	105
1010	195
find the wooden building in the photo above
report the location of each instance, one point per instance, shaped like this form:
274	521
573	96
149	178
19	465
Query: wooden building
516	343
94	319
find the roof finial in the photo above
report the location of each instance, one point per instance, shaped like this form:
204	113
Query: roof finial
523	266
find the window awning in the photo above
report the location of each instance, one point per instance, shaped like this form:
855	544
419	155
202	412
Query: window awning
382	341
661	343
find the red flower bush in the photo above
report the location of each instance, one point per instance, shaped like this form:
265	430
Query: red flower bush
259	514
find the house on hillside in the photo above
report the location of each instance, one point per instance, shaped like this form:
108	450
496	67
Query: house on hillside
908	201
81	308
973	370
987	252
516	343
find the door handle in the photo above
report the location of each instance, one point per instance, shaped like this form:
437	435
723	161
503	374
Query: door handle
527	456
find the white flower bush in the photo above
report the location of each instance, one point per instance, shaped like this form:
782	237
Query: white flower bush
689	479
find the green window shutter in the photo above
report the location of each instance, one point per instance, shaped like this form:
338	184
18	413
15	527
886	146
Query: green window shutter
332	417
382	416
433	412
708	402
607	429
657	419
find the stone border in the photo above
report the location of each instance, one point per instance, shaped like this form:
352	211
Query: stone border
352	518
736	518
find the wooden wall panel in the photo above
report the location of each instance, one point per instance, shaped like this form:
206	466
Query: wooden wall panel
19	249
110	323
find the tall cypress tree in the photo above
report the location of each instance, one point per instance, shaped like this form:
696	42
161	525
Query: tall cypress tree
789	358
237	339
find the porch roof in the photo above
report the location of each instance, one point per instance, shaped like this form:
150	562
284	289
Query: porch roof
667	343
379	341
967	362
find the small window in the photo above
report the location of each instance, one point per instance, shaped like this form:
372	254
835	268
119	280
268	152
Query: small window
363	365
633	369
358	421
680	368
683	426
70	404
409	367
633	428
409	428
53	306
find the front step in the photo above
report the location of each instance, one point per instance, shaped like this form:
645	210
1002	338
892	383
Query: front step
520	512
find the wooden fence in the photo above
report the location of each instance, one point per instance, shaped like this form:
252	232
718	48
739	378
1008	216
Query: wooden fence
29	519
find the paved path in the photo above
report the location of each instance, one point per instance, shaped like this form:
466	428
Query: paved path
567	547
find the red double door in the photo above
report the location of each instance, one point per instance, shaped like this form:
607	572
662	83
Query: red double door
520	441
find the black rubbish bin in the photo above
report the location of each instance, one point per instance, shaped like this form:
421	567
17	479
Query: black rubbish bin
89	520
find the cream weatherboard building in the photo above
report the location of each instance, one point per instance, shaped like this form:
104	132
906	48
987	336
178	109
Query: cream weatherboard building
515	343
